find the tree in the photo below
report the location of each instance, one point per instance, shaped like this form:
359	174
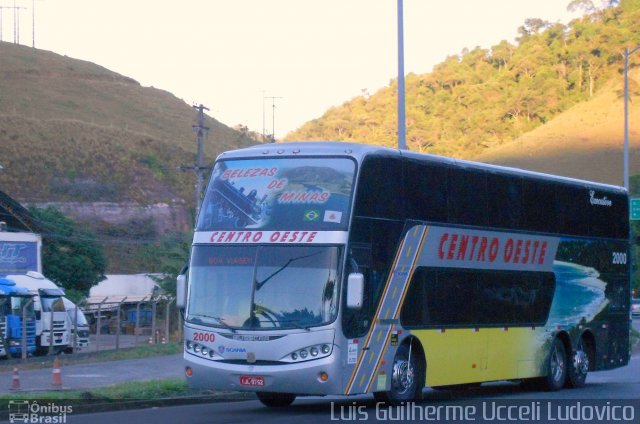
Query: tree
71	255
167	257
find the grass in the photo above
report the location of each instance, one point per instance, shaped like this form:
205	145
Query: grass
136	390
139	352
128	395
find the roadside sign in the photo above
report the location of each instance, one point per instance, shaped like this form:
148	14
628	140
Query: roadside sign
635	209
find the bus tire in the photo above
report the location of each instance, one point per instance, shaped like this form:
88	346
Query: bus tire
578	365
556	366
276	400
407	377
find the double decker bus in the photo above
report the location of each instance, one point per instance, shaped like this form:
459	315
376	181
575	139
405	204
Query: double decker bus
324	268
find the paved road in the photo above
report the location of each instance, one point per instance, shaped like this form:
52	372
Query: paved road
622	383
619	388
84	376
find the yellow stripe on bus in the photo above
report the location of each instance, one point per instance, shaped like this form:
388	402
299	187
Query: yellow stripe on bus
413	268
384	349
386	287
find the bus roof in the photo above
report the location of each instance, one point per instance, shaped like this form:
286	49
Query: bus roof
360	151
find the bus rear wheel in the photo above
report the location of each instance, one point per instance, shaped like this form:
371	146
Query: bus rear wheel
407	376
276	400
578	365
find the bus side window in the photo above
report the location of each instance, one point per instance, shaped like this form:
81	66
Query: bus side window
379	194
467	197
426	191
505	210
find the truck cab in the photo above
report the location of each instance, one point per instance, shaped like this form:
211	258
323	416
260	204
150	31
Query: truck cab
79	327
53	326
16	315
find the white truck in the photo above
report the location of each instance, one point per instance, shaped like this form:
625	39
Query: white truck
53	325
79	327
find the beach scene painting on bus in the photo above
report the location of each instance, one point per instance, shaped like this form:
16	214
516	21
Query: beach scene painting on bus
273	194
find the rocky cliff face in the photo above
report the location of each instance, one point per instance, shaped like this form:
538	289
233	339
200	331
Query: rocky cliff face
162	217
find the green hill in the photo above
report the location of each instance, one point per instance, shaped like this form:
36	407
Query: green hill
584	142
71	130
483	98
102	149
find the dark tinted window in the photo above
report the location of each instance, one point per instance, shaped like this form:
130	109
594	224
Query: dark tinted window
426	191
451	297
372	248
379	192
608	214
571	210
505	201
467	197
539	206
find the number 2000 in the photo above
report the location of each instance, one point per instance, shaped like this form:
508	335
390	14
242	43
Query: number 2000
619	258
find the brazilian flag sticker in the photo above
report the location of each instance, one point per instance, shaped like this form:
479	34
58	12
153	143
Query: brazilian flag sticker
311	216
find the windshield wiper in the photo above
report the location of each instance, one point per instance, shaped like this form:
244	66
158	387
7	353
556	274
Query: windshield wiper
259	284
218	320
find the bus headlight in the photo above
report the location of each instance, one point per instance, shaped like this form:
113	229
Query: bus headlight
189	345
205	351
196	348
308	353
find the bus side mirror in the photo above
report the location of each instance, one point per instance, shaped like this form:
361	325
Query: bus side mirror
181	291
355	290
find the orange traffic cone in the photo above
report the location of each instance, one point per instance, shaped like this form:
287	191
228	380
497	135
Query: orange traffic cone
15	382
57	375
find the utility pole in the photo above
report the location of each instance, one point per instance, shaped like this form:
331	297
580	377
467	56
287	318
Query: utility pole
627	53
273	117
402	130
198	167
263	126
200	128
16	22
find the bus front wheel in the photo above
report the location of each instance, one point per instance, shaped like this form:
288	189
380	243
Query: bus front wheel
407	376
276	400
556	366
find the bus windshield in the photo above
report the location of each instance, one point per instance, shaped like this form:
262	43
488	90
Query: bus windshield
274	194
263	287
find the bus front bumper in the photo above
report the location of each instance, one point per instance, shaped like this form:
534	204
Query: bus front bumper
303	378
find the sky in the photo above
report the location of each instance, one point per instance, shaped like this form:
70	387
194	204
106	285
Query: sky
233	56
